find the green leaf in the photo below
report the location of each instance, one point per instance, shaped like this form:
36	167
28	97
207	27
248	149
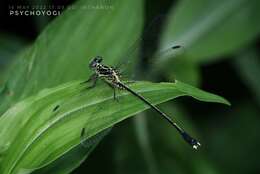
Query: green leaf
42	128
199	94
10	46
63	50
208	29
69	161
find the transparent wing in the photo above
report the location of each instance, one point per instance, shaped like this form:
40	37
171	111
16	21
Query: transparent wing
142	50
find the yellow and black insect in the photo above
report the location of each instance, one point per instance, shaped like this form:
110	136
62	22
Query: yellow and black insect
112	77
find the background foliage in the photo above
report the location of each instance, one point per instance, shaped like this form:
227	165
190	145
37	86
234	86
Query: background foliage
220	55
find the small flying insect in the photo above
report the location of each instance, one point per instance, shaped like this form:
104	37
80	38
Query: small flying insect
111	76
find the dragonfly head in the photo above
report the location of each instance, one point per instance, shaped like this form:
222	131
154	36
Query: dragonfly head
95	61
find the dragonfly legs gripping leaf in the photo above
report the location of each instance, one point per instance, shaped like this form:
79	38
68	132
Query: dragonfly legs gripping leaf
114	90
93	78
112	78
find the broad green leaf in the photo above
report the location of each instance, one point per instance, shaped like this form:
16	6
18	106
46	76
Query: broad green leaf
69	161
63	50
209	29
42	128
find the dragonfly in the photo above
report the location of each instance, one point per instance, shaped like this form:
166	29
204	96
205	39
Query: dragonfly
111	76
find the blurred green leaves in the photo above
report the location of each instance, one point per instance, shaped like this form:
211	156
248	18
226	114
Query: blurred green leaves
247	65
236	138
208	30
10	46
167	153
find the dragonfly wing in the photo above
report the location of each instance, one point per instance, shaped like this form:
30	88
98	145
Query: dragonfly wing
143	48
135	51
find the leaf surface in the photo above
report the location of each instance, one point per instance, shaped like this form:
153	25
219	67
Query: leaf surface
42	128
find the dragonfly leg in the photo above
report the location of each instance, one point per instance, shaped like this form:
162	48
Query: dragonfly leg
115	97
114	91
92	78
129	82
89	79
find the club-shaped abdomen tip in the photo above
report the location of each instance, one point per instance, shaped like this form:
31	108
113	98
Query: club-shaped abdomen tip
194	143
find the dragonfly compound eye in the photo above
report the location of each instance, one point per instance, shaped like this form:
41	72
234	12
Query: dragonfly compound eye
95	61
